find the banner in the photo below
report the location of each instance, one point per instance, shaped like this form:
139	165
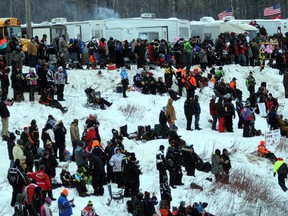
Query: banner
273	137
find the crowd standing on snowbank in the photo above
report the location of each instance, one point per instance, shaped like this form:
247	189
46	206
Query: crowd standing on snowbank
33	166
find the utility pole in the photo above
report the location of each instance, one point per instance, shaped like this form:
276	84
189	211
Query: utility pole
28	18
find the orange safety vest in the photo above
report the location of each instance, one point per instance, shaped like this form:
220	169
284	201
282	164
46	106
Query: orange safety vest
232	84
183	74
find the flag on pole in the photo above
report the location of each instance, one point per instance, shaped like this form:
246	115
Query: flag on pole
275	9
227	12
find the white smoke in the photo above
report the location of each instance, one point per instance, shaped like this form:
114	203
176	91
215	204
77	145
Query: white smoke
105	13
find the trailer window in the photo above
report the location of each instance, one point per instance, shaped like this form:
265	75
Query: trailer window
184	32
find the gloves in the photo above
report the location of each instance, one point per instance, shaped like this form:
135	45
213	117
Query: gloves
274	174
72	205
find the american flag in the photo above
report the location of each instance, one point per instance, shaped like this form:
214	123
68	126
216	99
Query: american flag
227	12
275	9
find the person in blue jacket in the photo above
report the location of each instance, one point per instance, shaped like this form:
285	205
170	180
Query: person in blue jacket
64	205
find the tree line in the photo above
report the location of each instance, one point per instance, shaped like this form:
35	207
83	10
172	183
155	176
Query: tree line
79	10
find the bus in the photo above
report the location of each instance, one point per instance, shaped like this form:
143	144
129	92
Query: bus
9	26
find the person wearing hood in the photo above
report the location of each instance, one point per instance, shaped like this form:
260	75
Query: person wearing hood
281	168
217	168
60	80
170	112
45	208
115	162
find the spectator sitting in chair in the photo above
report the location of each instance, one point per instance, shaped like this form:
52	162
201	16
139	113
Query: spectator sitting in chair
102	102
263	152
47	98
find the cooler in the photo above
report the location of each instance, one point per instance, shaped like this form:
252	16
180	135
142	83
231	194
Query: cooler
111	66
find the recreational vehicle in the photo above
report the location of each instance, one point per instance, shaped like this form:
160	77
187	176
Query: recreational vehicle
207	26
144	27
52	30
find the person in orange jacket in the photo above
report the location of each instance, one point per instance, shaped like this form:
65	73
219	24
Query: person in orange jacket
263	152
191	84
181	78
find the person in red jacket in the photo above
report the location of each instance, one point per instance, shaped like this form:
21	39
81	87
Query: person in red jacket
213	111
90	136
42	180
89	210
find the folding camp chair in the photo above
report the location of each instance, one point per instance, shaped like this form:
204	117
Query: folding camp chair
117	196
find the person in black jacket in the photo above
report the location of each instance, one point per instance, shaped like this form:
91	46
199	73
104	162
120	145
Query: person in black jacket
229	114
10	144
226	166
165	191
5	114
29	157
188	161
98	174
189	112
60	133
161	162
281	168
163	121
37	200
17	179
131	173
171	165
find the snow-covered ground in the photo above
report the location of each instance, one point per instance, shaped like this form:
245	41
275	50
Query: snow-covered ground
221	201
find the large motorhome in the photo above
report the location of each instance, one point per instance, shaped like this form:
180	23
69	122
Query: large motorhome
207	26
144	27
271	26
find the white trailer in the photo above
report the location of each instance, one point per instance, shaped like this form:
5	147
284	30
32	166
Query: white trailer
145	27
207	26
271	26
50	29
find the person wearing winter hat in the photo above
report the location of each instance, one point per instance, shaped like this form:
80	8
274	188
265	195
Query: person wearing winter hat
149	203
60	80
45	208
263	152
281	168
64	205
89	210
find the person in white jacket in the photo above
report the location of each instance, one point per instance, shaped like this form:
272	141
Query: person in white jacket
116	162
19	154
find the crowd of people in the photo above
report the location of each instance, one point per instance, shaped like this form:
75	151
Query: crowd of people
33	167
